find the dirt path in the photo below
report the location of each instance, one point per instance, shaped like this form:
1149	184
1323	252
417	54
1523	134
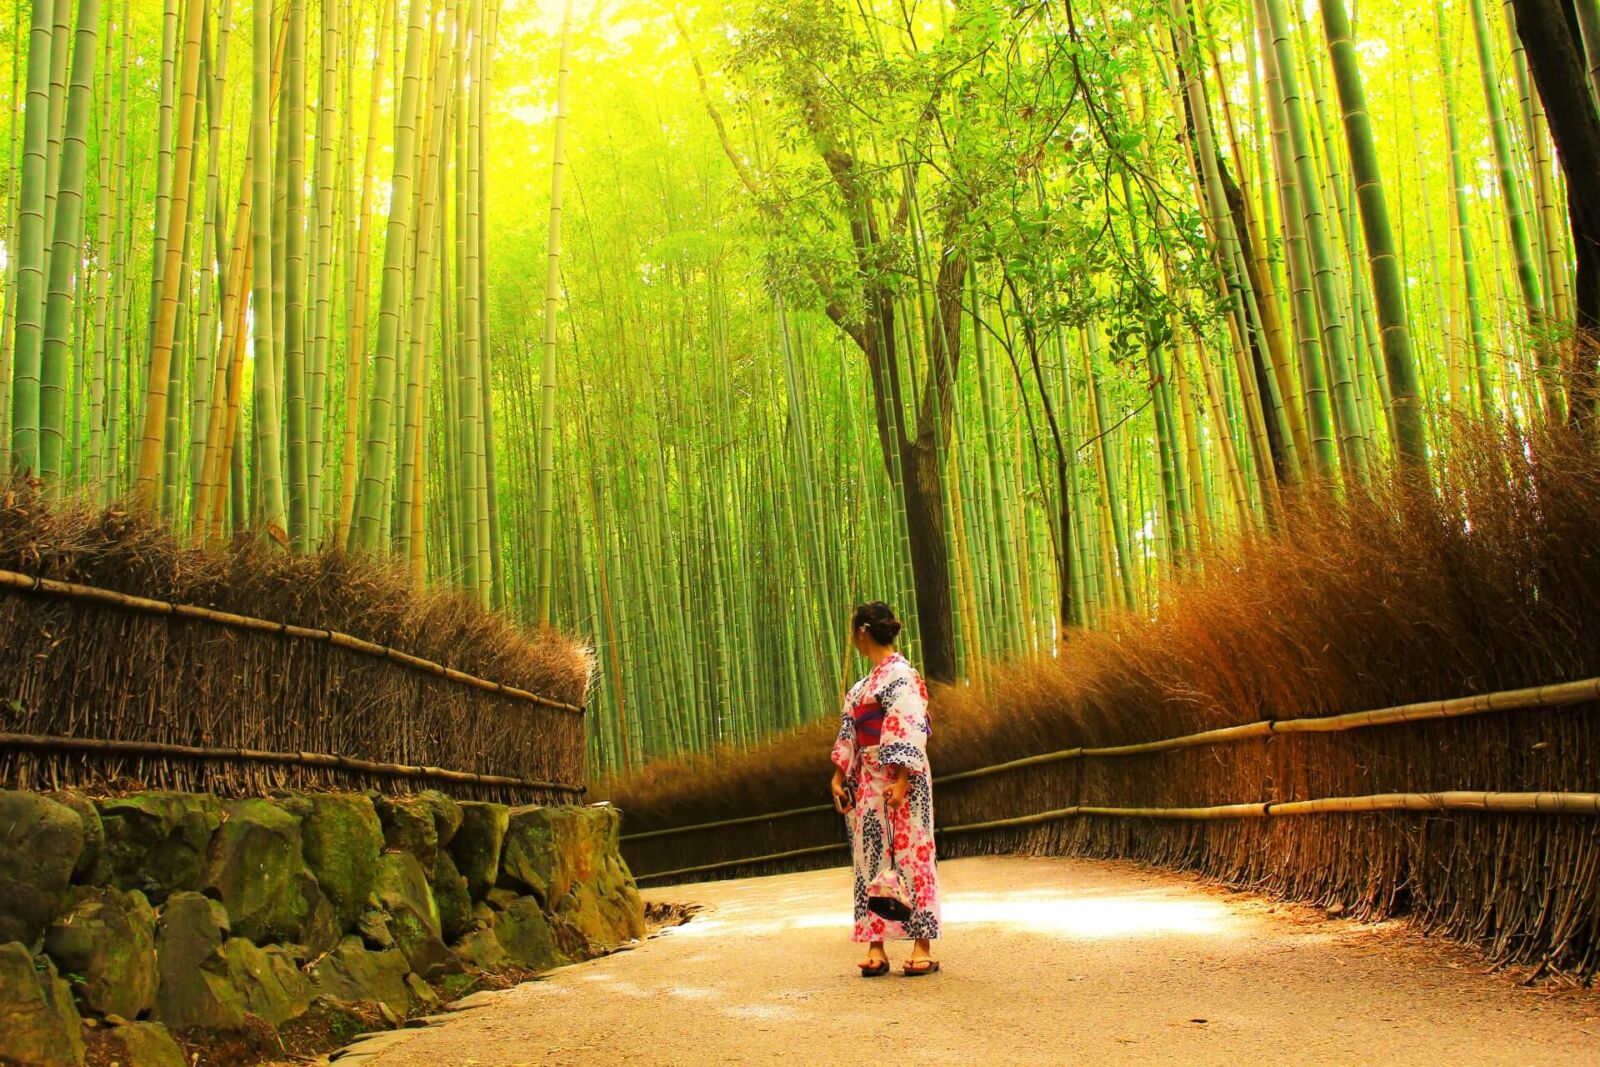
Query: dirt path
1045	961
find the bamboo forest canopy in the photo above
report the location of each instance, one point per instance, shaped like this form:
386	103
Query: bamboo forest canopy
685	327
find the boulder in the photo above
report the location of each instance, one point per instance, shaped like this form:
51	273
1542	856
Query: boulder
482	949
353	973
39	1025
403	893
373	926
501	899
447	814
422	994
529	856
569	858
156	842
451	894
194	989
342	837
525	933
602	901
255	867
40	841
107	938
476	846
94	834
272	987
409	826
144	1045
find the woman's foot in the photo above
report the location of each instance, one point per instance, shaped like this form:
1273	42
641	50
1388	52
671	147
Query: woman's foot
921	961
876	963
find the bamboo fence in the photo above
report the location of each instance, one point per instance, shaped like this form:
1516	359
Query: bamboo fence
1380	823
1453	800
1565	694
110	688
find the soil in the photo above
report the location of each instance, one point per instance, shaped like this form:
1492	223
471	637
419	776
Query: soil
1044	961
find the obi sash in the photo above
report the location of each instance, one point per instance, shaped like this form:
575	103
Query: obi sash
868	716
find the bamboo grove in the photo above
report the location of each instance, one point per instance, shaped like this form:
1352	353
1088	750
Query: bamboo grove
1000	312
245	272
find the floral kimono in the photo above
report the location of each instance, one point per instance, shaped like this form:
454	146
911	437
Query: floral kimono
885	723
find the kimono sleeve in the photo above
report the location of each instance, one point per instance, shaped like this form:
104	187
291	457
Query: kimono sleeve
905	724
844	748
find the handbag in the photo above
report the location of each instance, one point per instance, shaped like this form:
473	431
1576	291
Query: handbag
887	896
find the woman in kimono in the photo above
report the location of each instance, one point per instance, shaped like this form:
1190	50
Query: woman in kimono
883	787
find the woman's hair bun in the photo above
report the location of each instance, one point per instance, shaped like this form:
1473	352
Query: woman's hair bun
879	621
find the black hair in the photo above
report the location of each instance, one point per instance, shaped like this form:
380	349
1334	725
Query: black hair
879	620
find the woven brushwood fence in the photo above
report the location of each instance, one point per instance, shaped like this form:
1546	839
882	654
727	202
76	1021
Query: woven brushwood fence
127	662
1307	807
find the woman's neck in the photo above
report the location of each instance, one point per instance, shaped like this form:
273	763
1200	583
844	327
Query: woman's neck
877	655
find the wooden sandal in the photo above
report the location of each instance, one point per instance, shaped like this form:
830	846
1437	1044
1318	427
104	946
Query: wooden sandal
875	970
918	968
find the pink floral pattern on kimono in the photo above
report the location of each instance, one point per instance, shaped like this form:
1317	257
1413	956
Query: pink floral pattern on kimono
885	723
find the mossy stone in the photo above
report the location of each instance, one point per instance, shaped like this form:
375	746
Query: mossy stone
272	987
476	846
569	858
408	826
39	1025
144	1045
482	949
195	989
40	841
525	932
156	842
107	937
530	858
342	839
94	834
451	894
402	891
602	900
501	899
256	868
447	814
353	973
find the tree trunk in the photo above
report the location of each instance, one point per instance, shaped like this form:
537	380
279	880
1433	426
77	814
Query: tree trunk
1550	32
923	464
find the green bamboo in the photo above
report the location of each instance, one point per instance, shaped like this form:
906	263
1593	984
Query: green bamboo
269	503
1335	338
1516	219
547	408
366	530
60	306
25	387
1411	443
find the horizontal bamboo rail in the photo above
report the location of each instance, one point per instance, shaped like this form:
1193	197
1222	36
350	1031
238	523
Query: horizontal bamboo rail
743	820
27	583
1564	694
1452	800
250	755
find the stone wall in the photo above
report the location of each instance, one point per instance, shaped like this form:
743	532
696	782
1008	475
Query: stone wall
166	911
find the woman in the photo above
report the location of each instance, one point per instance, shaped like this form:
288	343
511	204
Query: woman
883	787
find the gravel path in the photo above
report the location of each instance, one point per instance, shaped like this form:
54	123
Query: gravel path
1049	961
